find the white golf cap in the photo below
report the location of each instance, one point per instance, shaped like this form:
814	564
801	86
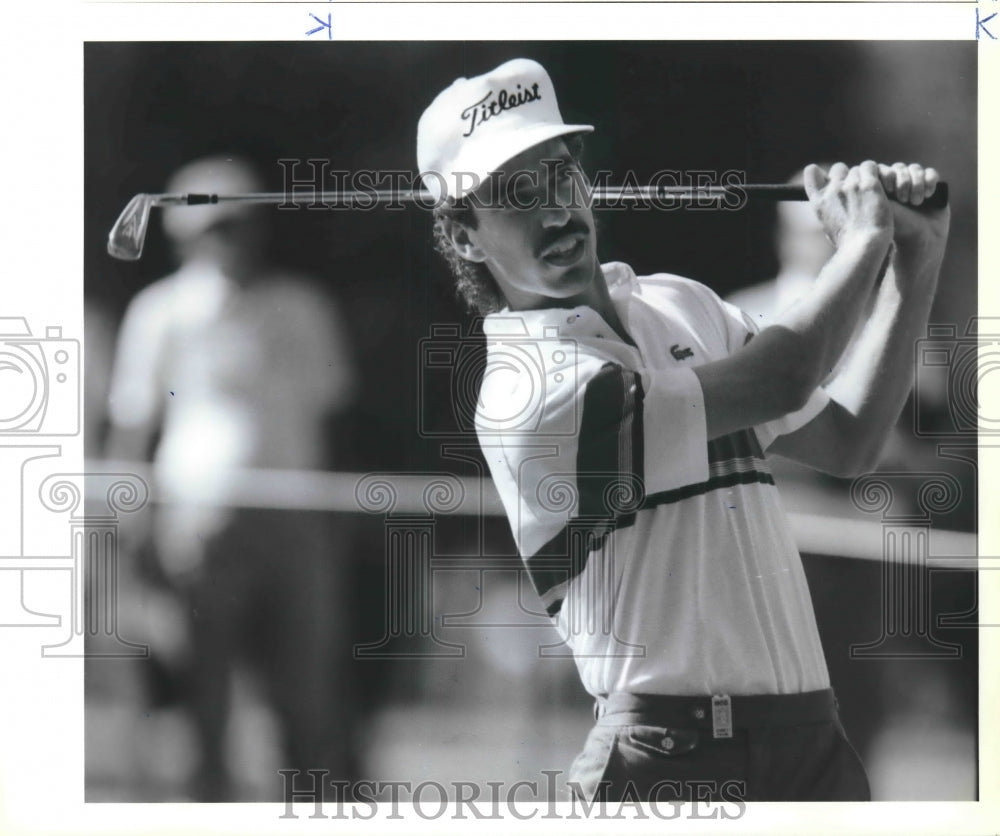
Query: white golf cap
222	175
477	124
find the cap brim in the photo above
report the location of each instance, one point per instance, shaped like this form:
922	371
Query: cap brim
490	156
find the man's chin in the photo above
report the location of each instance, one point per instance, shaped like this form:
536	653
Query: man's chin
575	279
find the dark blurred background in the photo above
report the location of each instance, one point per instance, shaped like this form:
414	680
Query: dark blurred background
765	108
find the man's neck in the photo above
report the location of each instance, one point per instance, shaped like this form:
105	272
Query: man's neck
596	297
600	300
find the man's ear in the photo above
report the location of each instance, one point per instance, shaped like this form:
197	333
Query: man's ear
463	240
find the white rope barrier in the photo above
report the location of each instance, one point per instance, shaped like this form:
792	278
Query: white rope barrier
450	495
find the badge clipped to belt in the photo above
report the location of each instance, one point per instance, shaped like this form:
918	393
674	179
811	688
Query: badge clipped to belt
722	716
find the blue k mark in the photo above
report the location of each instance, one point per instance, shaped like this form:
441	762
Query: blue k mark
981	24
328	25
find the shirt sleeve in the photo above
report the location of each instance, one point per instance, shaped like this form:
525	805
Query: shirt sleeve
739	328
592	440
134	394
675	432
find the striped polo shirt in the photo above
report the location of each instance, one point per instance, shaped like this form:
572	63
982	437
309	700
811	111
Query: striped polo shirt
664	559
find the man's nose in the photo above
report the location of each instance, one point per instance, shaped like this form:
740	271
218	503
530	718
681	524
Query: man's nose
562	198
555	211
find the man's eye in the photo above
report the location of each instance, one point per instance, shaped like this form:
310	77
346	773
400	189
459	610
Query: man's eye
522	197
570	173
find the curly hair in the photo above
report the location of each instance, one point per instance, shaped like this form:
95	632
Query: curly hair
474	284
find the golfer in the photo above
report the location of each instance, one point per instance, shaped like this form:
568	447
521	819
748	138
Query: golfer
627	422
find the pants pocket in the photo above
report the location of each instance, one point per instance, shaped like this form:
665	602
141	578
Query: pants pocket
680	764
664	742
588	776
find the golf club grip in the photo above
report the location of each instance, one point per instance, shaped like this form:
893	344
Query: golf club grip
938	200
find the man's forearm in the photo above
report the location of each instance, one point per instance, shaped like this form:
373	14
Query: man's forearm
800	349
824	320
783	365
876	378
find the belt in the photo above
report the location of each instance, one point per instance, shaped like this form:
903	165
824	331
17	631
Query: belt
720	713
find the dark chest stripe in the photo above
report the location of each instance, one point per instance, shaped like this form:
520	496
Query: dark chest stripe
742	444
609	455
610	478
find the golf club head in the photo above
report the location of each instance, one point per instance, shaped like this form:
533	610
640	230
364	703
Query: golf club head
127	236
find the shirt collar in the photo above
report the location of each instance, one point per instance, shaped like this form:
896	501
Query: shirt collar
582	321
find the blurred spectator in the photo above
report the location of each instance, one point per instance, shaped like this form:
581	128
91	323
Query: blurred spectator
233	363
98	332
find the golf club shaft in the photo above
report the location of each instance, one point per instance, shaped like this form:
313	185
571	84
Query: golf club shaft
605	195
127	236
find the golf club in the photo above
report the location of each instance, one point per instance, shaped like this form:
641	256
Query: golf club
128	235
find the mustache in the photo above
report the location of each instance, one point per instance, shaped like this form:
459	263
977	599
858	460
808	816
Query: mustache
550	236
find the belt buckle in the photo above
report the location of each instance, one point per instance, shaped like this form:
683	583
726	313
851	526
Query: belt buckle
722	715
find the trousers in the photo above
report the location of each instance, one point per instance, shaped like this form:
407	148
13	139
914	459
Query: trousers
787	747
